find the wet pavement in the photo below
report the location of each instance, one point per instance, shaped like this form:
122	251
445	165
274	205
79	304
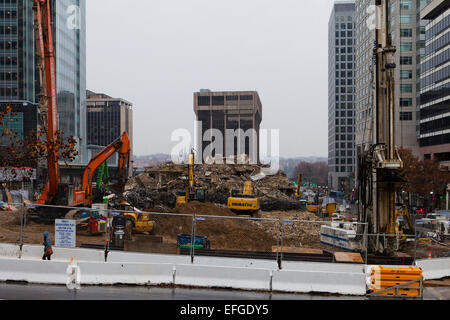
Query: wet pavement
42	292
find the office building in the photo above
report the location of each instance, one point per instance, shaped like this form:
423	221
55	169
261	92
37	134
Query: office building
229	110
341	136
434	128
18	75
107	119
405	32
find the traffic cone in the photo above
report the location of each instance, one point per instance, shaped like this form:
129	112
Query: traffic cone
429	255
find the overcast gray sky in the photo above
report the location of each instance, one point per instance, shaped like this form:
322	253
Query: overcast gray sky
156	53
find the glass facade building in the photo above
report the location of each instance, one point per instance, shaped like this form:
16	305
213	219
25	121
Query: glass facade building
434	126
70	48
18	75
17	54
341	61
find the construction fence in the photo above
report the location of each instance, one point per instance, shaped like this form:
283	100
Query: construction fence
195	235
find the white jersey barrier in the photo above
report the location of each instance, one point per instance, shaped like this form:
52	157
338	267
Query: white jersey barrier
434	269
126	273
223	277
64	254
33	271
9	251
320	282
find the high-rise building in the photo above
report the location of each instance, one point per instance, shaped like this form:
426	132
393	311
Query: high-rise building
69	30
230	110
405	31
341	61
434	128
107	119
18	75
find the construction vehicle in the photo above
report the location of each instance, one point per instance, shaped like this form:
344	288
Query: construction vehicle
313	205
246	202
379	163
55	192
298	193
136	220
191	193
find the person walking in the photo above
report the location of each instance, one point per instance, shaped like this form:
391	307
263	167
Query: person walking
48	251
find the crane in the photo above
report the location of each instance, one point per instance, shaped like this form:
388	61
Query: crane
55	192
48	107
380	163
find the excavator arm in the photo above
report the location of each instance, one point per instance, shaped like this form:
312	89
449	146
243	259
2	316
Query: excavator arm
121	145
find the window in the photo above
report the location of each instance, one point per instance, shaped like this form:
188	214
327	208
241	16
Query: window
232	98
405	74
218	101
406	60
406	46
406	5
247	98
405	102
406	18
406	33
406	116
406	88
204	101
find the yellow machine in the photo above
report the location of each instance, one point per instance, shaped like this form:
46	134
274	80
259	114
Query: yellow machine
137	221
245	202
191	193
329	209
298	193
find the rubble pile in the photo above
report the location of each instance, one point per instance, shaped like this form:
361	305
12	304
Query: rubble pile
296	234
158	185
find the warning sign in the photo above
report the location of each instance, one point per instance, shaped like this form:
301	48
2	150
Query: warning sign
65	234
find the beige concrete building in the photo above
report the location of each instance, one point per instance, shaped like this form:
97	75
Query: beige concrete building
229	110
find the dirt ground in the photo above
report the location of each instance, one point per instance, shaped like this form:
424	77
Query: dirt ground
221	226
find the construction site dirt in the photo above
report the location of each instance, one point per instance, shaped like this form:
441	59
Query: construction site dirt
220	225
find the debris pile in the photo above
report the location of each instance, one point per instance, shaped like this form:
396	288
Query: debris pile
158	185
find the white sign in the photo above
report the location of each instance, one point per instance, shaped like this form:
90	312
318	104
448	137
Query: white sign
65	234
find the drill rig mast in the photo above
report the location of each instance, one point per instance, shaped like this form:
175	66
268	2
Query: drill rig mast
381	161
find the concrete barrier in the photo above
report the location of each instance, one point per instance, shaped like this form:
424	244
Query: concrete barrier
319	282
323	267
9	250
125	273
64	254
434	269
236	262
38	272
223	277
118	256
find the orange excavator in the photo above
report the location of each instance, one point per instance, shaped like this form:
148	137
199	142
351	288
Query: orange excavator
55	192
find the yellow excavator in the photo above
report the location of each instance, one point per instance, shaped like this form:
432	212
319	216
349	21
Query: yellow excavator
191	193
246	202
137	221
298	193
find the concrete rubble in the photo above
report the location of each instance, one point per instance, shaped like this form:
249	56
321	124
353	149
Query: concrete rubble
158	185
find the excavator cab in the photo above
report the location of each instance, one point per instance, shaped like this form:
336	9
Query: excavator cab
246	202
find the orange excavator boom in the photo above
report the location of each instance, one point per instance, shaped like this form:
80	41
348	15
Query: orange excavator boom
121	145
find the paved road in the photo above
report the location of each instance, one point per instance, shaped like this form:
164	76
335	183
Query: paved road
39	292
